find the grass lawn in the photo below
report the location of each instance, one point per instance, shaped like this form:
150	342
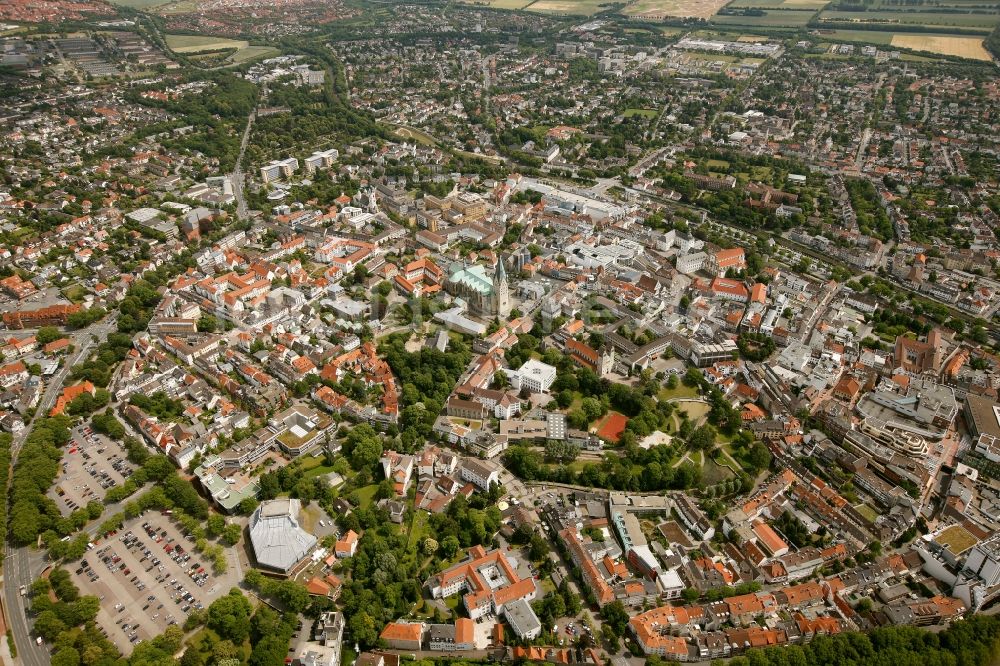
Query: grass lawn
366	494
418	528
712	472
74	293
695	410
645	113
199	43
253	52
422	138
681	391
868	512
319	470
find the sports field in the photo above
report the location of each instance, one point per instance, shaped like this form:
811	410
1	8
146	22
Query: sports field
611	427
953	45
200	43
674	8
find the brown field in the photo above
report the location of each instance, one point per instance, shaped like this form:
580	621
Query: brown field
674	8
577	7
963	47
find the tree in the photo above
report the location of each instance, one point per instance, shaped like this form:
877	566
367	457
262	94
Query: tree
229	617
364	446
231	534
215	525
616	617
67	656
47	334
362	628
538	549
208	324
703	438
449	546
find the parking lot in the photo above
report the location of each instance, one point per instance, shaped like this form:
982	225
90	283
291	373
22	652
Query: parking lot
93	464
148	576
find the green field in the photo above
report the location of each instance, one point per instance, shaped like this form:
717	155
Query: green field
366	495
645	113
411	134
75	293
868	512
778	18
712	472
200	43
253	52
418	529
864	36
979	22
778	4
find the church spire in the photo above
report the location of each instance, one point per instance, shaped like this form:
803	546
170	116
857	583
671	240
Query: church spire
501	273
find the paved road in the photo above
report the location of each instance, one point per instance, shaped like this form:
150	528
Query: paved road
22	565
236	177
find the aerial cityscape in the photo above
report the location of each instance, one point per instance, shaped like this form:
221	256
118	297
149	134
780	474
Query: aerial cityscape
456	332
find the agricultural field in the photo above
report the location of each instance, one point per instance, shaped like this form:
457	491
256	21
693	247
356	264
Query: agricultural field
572	7
675	8
876	37
200	43
778	4
978	22
140	4
952	45
499	4
779	18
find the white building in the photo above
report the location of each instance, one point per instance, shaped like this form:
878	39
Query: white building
321	160
483	475
279	169
522	619
534	375
691	263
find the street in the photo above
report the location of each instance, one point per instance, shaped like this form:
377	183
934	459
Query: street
23	565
